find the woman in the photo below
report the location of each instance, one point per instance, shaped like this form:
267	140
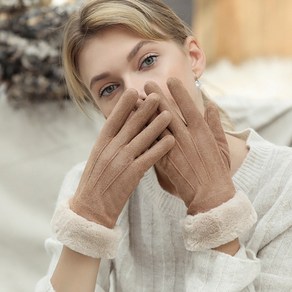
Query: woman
166	201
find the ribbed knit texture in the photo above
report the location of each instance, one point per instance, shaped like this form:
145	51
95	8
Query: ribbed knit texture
152	256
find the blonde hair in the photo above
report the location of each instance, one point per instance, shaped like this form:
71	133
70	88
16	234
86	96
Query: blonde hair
150	19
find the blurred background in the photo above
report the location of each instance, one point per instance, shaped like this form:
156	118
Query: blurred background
42	134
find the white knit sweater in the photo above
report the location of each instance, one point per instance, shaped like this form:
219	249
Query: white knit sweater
152	256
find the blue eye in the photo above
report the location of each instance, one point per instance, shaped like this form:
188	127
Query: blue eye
148	61
108	90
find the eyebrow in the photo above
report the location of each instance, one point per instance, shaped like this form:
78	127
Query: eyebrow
97	78
136	49
131	55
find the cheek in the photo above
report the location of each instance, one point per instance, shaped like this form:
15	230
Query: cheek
106	107
182	70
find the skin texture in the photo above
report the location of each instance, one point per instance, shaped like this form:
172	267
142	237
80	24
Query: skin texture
114	45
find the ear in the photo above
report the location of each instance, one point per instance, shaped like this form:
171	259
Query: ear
196	55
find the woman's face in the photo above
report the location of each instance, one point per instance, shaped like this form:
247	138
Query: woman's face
116	60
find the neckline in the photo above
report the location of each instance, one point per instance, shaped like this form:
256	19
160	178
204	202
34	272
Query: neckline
255	162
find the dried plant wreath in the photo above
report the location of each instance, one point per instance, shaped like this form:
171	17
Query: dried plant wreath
30	39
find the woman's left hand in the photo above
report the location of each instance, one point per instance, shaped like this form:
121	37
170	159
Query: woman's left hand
198	166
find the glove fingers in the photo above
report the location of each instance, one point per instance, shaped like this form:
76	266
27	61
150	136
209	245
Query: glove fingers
120	114
114	123
138	120
164	133
153	154
123	113
148	136
135	123
177	124
184	102
212	118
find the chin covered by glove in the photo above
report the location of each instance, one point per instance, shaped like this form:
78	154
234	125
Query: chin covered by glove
123	152
198	169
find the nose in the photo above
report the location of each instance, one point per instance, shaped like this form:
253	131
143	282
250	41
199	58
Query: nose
137	84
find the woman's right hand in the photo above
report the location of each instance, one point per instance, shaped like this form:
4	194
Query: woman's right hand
125	149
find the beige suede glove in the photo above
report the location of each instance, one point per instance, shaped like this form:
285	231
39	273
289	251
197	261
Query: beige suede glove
119	159
198	167
123	152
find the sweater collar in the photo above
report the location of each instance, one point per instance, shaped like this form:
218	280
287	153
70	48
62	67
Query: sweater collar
255	164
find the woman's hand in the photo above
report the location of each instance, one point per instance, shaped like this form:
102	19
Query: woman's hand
124	151
198	166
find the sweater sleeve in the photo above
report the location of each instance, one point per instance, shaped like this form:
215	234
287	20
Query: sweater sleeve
269	270
264	261
54	247
276	264
215	271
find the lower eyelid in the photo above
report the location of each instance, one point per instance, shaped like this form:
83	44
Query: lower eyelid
154	56
104	88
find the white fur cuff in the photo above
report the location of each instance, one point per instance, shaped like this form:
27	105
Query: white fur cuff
219	225
84	236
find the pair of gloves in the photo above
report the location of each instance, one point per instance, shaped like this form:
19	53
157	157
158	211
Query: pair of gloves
191	152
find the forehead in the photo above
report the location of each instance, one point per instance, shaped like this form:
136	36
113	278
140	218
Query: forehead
120	35
113	48
106	44
111	36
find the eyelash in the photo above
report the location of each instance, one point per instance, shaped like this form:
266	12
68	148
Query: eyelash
102	91
151	56
147	58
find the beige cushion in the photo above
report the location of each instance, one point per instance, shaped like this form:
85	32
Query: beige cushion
242	29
